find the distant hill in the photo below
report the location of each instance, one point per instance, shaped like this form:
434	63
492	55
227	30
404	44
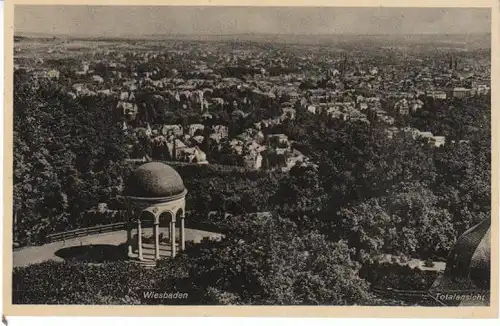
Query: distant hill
477	40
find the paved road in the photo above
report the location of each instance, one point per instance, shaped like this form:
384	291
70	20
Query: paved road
37	254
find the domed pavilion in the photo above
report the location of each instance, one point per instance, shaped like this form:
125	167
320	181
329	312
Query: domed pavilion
155	198
468	267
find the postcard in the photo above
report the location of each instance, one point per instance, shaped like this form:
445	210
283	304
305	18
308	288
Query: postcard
251	158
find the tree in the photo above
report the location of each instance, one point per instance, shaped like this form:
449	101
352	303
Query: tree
407	222
62	169
267	260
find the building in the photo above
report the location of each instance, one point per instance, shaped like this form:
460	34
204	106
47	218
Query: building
129	110
85	67
155	197
435	94
466	279
278	140
293	158
253	161
288	113
97	79
192	155
410	133
461	92
175	130
439	141
363	106
312	109
402	107
416	105
481	87
194	128
391	132
53	74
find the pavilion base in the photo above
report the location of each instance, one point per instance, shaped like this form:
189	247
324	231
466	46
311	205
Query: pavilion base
145	263
148	254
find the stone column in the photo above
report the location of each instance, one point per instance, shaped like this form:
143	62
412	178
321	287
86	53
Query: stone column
157	240
183	235
139	239
129	239
172	237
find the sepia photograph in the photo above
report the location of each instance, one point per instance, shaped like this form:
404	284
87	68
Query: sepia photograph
239	155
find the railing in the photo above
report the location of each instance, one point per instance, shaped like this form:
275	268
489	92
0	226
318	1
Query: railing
60	236
86	231
405	295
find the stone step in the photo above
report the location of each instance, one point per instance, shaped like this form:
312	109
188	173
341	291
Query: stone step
146	263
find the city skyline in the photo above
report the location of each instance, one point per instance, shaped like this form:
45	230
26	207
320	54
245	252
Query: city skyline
114	21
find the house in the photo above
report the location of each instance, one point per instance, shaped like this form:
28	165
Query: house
192	155
223	131
218	101
410	133
278	140
105	92
97	79
436	94
78	88
402	107
159	140
259	137
175	130
198	139
416	105
85	67
439	141
426	135
177	147
288	113
194	128
128	109
293	158
391	132
124	96
293	95
253	161
481	90
363	106
53	74
237	146
460	92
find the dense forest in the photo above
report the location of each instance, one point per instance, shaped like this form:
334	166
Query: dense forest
368	195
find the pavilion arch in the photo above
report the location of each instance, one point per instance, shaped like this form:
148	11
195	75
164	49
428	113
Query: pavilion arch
165	218
147	218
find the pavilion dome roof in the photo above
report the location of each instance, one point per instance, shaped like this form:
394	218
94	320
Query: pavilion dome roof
470	260
468	265
154	180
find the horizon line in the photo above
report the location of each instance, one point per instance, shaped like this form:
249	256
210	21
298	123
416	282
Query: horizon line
249	33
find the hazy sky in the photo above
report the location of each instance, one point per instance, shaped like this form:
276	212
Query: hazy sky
141	20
